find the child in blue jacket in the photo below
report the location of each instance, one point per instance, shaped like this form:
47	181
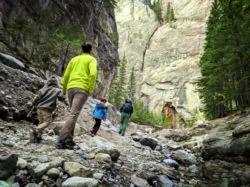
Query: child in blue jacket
100	113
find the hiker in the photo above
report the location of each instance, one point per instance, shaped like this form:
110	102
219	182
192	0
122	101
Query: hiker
126	110
45	103
78	81
99	114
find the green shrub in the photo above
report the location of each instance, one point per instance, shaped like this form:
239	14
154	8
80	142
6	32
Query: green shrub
143	116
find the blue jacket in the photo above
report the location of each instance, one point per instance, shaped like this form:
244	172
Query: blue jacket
100	111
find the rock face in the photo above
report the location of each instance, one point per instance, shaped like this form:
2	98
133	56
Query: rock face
96	24
166	57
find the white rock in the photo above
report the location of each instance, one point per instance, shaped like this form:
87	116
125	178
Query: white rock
103	157
53	173
76	169
98	175
80	182
21	163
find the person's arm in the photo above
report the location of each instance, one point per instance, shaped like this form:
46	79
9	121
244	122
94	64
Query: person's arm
96	108
34	103
61	97
105	113
92	75
65	77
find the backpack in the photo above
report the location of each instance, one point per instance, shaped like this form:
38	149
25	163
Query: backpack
127	107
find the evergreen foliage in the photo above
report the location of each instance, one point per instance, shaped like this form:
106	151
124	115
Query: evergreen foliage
117	93
155	5
110	3
131	85
149	3
143	116
225	84
171	17
170	14
157	10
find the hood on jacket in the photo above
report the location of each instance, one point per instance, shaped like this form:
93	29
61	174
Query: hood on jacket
52	82
128	100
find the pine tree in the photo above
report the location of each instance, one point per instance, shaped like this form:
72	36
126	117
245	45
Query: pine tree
168	13
118	91
157	10
171	16
131	85
224	85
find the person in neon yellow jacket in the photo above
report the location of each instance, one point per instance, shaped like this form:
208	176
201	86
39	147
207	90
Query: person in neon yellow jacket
79	82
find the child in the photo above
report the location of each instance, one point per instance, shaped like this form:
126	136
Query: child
100	113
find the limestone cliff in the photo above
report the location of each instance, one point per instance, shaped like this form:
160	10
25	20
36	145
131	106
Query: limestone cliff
36	33
166	56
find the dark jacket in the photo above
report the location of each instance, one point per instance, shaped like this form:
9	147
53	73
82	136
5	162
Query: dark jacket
47	97
100	111
127	107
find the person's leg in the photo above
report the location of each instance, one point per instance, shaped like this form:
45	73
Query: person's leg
79	99
33	133
45	116
97	126
121	125
125	123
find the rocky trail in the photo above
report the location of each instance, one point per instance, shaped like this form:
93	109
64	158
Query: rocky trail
167	157
211	154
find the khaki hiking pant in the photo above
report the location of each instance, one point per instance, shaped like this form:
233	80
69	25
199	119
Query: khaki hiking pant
77	98
45	118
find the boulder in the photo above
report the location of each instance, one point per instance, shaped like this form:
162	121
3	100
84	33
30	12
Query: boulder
185	156
11	61
32	185
53	173
242	129
139	182
76	169
21	163
58	125
98	176
8	165
114	153
165	181
96	143
152	143
4	184
80	182
38	169
101	157
171	163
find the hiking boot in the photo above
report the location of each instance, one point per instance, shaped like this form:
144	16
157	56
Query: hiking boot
93	135
37	140
62	145
34	138
70	142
